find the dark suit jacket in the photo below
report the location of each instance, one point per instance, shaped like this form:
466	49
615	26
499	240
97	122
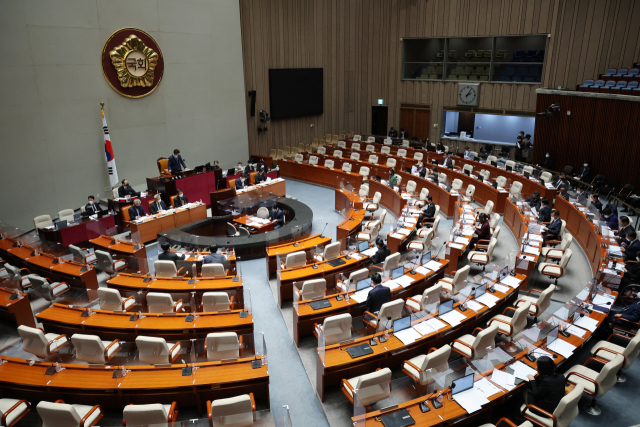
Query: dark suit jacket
548	391
534	202
561	183
249	168
380	255
440	146
378	296
92	209
612	222
179	201
260	178
214	259
393	133
153	207
404	135
176	163
597	204
584	173
554	227
632	249
547	163
136	212
630	312
262	165
239	184
622	234
545	214
170	256
447	162
123	191
278	215
429	210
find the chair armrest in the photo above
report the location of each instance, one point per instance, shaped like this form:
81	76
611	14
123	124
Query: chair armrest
3	420
464	344
84	419
253	402
173	412
411	308
346	385
501	321
584	378
231	302
176	304
478	329
58	285
504	312
209	415
179	270
127	299
505	420
87	257
534	290
619	336
609	351
367	321
622	319
483	240
56	339
554	242
541	411
413	366
171	351
553	266
431	350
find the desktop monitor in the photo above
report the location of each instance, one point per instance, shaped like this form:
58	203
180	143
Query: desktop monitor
466	172
552	336
434	162
494	184
450	167
231	172
61	224
445	307
526	174
397	272
378	178
402	324
462	384
494	164
509	168
426	258
363	246
481	290
199	169
77	217
363	284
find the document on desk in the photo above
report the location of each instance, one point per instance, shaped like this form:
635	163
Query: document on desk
511	281
529	258
503	379
615	251
574	330
423	328
408	336
423	270
370	251
618	265
454	318
405	281
433	265
397	236
468	231
521	370
471	400
410	220
603	299
487	299
486	388
361	296
532	250
535	237
356	256
587	323
435	324
472	305
562	347
456	246
462	240
501	288
391	284
404	231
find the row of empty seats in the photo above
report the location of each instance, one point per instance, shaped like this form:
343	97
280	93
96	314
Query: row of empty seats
160	302
617	81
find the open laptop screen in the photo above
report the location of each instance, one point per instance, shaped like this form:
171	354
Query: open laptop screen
363	284
363	246
397	272
462	384
445	307
401	324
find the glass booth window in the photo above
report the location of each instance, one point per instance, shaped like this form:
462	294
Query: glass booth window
424	59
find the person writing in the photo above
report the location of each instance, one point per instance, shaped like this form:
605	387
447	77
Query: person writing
260	176
561	183
136	211
625	227
276	214
468	155
126	190
157	205
92	207
428	212
549	388
631	248
440	147
382	253
378	295
447	162
167	255
534	200
483	232
595	202
176	163
611	218
214	257
180	199
241	181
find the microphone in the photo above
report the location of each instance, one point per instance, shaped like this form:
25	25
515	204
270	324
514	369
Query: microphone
325	227
462	306
436	258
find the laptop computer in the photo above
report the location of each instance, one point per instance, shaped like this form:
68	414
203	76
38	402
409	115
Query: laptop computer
401	418
445	307
426	258
317	305
397	272
434	161
77	217
481	290
402	324
466	172
363	246
526	174
494	164
208	167
463	384
363	284
61	224
359	350
494	184
337	262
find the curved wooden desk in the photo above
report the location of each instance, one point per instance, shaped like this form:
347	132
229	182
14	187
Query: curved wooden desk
150	229
483	192
135	282
88	384
111	325
440	196
374	168
17	310
390	199
119	249
307	244
319	174
352	223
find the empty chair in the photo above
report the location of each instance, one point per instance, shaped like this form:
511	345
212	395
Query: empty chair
511	164
370	148
402	152
216	301
298	158
165	268
363	192
262	212
562	416
160	302
65	215
373	159
422	200
110	299
106	263
491	159
538	304
346	167
511	326
154	414
354	277
554	253
368	388
607	350
364	171
453	285
337	153
495	219
418	156
467	168
528	169
456	185
342	144
91	349
585	87
475	347
596	85
607	86
355	156
595	383
312	289
485	174
391	162
296	259
483	258
213	270
81	255
516	188
376	222
368	236
42	221
328	164
47	289
554	271
411	187
233	411
355	146
501	181
321	150
385	150
371	139
36	342
631	87
62	414
468	194
430	295
331	251
222	345
357	137
392	309
12	411
156	351
423	242
421	369
546	177
373	205
335	328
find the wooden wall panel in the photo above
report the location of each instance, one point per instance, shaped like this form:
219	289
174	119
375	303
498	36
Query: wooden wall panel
358	44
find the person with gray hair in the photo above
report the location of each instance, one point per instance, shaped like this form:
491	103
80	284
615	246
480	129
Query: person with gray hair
136	211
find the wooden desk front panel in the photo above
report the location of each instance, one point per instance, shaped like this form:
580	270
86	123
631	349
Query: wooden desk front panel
514	220
374	169
440	196
483	192
17	311
134	283
390	199
318	174
149	230
308	245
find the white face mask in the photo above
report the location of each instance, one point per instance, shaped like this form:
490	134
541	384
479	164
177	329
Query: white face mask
547	155
90	202
585	165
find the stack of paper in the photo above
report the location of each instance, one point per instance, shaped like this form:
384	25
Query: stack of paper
435	324
423	328
605	299
356	256
487	299
574	330
618	265
433	265
456	246
472	305
397	236
521	370
471	400
411	220
361	296
423	270
615	251
503	379
454	318
500	288
462	240
407	336
404	281
404	231
532	250
511	281
486	388
587	323
562	347
391	284
370	251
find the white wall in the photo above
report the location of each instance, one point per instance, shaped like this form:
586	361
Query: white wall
492	127
51	85
451	121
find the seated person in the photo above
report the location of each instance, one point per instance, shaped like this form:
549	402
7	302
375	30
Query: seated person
239	168
403	134
276	214
596	202
561	183
382	253
544	215
378	295
241	182
433	175
249	168
262	165
180	199
92	207
214	257
581	193
534	201
216	164
428	212
549	389
447	162
630	248
630	313
547	162
126	190
157	205
260	176
468	155
483	232
167	255
136	211
554	228
418	168
175	162
440	147
393	178
611	218
624	228
631	273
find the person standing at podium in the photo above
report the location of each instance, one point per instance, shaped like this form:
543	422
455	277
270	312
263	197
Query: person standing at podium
92	207
180	199
176	164
136	211
157	205
126	190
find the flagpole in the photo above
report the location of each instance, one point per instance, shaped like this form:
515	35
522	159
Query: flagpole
110	158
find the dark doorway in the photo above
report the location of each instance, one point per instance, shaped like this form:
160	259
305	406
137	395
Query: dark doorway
466	123
379	120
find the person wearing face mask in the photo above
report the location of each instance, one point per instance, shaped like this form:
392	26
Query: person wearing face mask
610	218
468	155
92	207
393	178
584	173
547	162
631	248
596	202
519	146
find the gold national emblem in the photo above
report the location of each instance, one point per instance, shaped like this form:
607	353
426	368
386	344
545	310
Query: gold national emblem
134	62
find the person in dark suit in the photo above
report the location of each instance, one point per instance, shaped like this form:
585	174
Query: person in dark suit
631	248
624	228
534	201
92	207
483	232
585	172
581	194
241	182
262	165
404	134
440	147
611	218
216	164
176	164
630	313
214	257
180	199
276	214
547	162
393	133
548	389
595	202
136	211
126	190
545	210
167	255
446	161
382	253
249	168
519	146
157	205
260	176
631	274
554	228
428	212
561	182
377	296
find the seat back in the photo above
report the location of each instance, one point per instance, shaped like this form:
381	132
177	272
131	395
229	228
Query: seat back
607	376
110	299
516	187
321	150
78	256
337	153
471	190
89	348
357	137
492	246
355	146
332	251
373	159
528	169
544	299
385	150
495	219
456	184
58	414
215	301
405	143
496	232
346	167
105	262
411	186
355	156
42	221
563	227
336	328
313	160
231	229
373	387
430	295
567	410
328	163
391	162
342	144
298	158
545	176
566	256
391	262
510	163
418	156
370	148
65	215
33	341
485	338
391	309
567	239
491	159
146	415
402	152
364	171
222	345
296	259
153	350
460	276
160	302
314	288
502	181
467	168
376	197
364	191
213	270
424	193
371	139
485	174
436	222
358	275
262	212
631	351
165	268
519	318
437	359
233	411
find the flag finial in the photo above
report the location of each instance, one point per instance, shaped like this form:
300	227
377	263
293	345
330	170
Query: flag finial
101	104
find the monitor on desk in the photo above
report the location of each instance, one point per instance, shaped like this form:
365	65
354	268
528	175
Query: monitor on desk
552	336
401	324
426	258
467	172
231	172
363	284
199	169
434	162
509	168
397	272
61	224
526	174
481	290
378	178
445	307
77	217
363	246
494	164
494	184
462	384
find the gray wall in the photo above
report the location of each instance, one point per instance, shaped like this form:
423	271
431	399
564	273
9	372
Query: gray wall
51	85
